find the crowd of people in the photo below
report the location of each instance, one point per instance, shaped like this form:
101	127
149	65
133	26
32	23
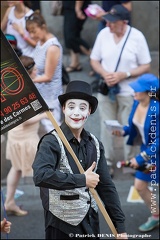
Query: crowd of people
135	60
120	57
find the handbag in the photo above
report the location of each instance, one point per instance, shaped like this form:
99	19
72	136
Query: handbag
103	87
65	76
56	8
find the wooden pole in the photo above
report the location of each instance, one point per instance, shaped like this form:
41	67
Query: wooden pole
92	190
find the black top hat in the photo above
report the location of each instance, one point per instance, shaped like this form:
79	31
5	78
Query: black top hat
79	90
117	12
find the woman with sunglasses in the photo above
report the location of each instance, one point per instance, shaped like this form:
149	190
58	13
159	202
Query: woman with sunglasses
48	55
14	22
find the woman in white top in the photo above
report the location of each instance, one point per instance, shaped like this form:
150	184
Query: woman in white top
48	55
14	23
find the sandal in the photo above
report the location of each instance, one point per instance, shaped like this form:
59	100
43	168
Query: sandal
17	212
74	69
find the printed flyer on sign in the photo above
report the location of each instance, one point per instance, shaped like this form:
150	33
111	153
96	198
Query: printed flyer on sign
20	99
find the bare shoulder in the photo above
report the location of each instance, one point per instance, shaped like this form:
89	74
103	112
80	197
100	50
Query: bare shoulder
8	11
27	9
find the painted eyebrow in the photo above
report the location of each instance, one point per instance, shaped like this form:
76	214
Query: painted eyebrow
80	103
71	103
83	104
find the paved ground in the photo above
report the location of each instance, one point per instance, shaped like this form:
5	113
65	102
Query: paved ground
32	225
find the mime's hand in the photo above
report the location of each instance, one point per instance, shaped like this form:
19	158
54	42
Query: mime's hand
92	178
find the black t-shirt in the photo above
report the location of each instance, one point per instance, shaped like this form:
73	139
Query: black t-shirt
107	5
71	4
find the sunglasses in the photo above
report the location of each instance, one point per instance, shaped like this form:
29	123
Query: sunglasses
31	18
30	66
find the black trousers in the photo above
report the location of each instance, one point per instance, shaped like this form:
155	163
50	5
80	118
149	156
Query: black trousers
72	31
53	233
88	227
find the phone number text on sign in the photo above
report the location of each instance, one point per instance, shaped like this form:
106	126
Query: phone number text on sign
18	104
17	98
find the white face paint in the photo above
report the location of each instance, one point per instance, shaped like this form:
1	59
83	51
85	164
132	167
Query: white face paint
76	112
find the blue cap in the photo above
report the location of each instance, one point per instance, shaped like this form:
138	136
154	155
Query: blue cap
11	38
146	82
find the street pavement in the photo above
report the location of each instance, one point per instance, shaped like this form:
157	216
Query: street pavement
32	225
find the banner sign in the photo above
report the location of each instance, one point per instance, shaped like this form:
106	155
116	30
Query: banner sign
20	99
